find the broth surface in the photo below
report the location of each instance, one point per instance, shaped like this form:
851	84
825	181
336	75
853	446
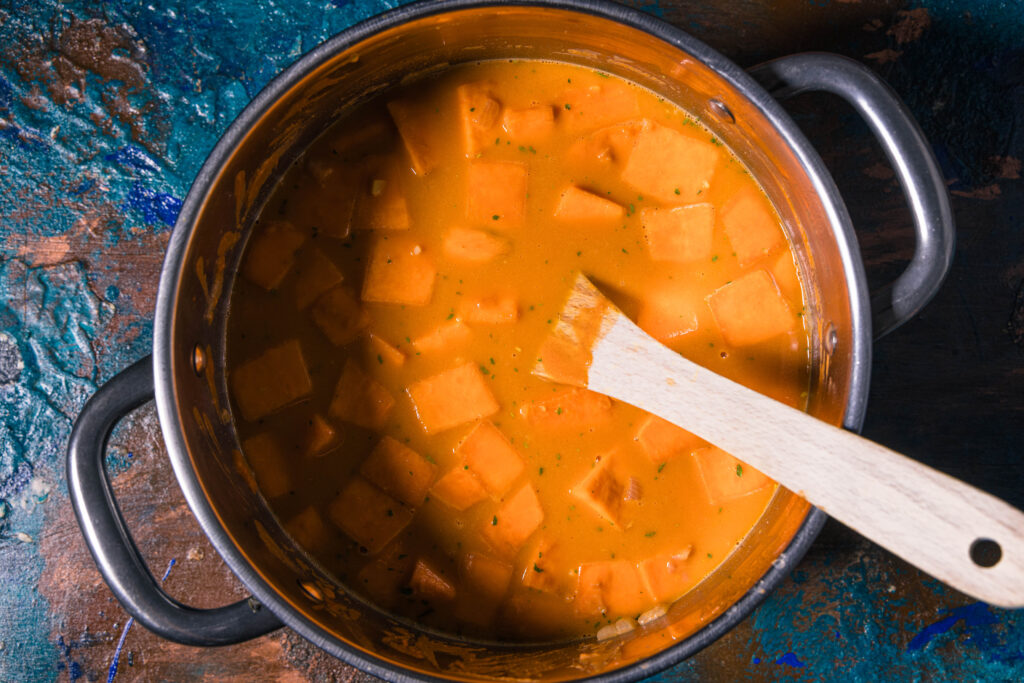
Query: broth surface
394	295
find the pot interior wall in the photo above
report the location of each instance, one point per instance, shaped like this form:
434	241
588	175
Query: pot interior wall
305	594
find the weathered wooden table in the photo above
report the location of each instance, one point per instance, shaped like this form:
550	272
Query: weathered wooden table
106	113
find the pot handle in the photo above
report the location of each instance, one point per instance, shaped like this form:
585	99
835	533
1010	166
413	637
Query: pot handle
910	155
110	543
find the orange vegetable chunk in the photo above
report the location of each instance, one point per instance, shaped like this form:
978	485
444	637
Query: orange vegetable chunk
490	456
275	379
339	316
496	193
598	105
271	253
670	166
267	460
530	124
541	572
669	312
328	178
580	206
381	203
608	145
784	272
661	440
611	588
400	272
666	577
602	489
458	488
382	353
384	577
485	576
451	398
751	226
414	126
427	582
515	521
751	309
314	277
573	407
446	337
479	112
367	515
308	529
726	478
399	471
679	235
320	437
360	399
499	309
465	245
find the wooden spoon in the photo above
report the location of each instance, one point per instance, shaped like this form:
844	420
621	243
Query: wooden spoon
962	536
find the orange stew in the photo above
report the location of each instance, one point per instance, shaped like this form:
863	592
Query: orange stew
393	298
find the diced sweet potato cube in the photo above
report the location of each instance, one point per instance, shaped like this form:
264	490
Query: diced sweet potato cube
451	398
446	337
267	460
666	577
399	471
496	193
579	206
670	166
400	272
367	515
726	478
751	309
483	583
491	310
271	254
320	437
337	183
414	126
459	488
611	588
485	576
360	399
661	440
530	124
479	112
751	226
381	202
429	583
515	521
271	381
383	578
382	353
668	313
534	616
308	529
785	274
491	457
339	316
313	277
569	408
465	245
541	570
595	106
681	234
603	489
609	145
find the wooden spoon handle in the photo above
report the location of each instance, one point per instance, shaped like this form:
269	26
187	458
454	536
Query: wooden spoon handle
929	519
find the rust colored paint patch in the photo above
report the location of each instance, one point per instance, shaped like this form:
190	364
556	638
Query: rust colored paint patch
910	25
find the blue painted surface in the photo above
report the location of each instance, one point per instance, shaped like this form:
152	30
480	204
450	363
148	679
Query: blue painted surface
105	144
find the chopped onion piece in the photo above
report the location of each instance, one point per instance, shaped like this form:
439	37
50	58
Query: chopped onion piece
656	612
617	629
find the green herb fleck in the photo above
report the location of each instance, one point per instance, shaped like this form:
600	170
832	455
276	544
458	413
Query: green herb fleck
739	470
537	569
495	217
494	520
379	359
650	534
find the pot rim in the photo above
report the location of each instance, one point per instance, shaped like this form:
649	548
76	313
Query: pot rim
173	270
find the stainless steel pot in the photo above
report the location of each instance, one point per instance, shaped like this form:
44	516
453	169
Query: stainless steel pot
186	370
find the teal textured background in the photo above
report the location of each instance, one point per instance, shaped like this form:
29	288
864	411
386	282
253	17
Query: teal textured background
107	111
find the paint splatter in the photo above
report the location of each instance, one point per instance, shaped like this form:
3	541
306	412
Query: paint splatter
974	616
112	671
789	659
